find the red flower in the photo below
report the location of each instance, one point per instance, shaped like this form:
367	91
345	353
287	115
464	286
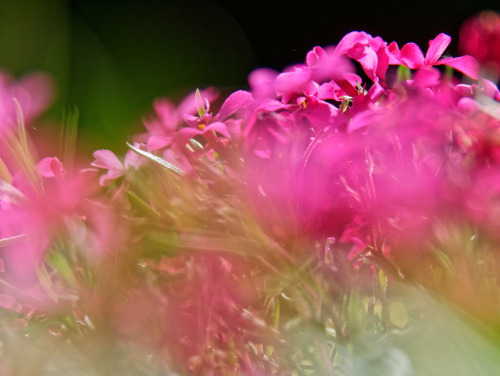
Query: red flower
480	37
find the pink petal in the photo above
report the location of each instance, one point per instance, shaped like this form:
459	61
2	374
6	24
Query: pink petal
107	159
383	59
436	48
412	56
167	114
327	91
465	64
217	127
50	167
271	105
394	53
34	92
234	128
290	83
262	82
367	58
464	90
377	43
350	40
109	177
331	66
348	84
236	101
489	89
362	120
314	56
468	106
427	77
132	159
185	134
158	142
375	91
320	114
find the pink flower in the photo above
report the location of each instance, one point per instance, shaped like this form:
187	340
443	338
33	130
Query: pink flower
372	53
168	118
212	127
33	93
107	160
412	56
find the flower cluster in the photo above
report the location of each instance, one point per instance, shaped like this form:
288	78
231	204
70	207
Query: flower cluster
254	235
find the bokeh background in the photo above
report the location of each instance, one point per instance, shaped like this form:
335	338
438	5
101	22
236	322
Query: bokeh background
111	58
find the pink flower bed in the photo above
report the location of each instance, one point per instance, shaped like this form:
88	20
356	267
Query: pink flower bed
263	233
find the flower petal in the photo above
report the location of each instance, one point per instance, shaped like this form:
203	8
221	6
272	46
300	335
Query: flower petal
109	177
218	127
158	142
50	167
236	101
412	56
185	134
427	77
436	48
107	159
465	64
262	83
289	83
350	40
394	54
314	56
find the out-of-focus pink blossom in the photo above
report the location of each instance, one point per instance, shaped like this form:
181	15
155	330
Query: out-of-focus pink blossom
482	200
480	37
262	83
34	93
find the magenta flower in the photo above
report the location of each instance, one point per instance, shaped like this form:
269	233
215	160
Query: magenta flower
372	53
412	56
168	118
212	127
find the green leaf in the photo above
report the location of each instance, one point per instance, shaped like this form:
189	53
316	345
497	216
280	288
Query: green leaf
46	282
382	280
142	206
199	103
403	73
355	311
67	140
60	263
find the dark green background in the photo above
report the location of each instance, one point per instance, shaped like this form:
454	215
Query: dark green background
112	58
